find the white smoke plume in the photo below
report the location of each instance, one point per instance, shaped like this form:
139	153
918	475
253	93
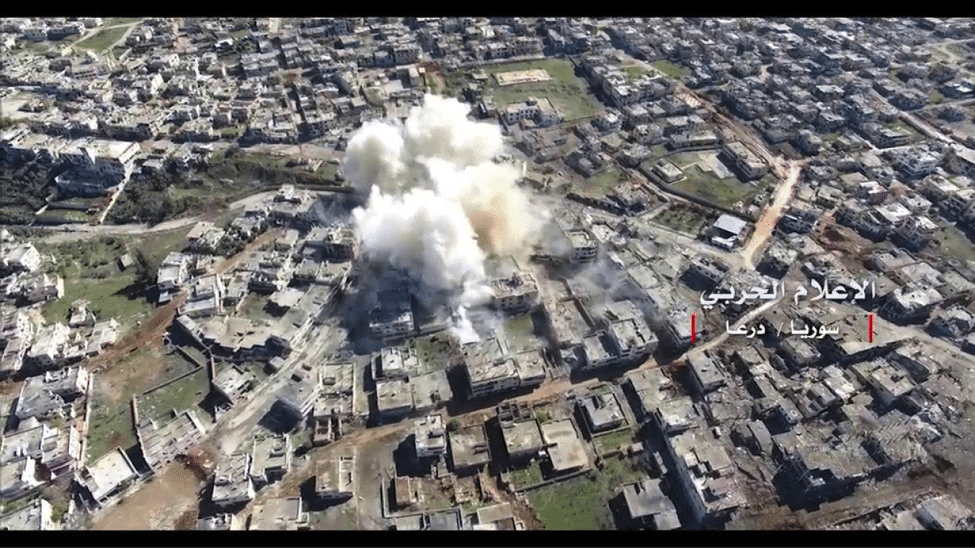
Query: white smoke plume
438	204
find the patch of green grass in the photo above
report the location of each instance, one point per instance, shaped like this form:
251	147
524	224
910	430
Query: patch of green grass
613	440
90	272
936	98
102	39
327	171
635	71
433	351
240	33
120	21
726	192
107	298
681	219
604	182
156	245
953	243
110	425
526	477
905	127
580	503
567	92
670	68
181	395
684	159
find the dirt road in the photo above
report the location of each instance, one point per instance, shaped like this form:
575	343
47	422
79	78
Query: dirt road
156	506
74	232
770	217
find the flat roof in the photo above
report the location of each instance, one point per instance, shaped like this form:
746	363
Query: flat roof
109	471
730	223
522	436
469	446
277	514
568	452
393	394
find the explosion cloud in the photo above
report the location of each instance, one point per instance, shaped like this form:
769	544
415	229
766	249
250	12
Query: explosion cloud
438	204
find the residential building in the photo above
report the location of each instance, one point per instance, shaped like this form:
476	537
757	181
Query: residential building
704	373
647	507
744	160
469	449
271	459
515	293
489	370
334	478
232	481
108	476
430	437
706	476
602	412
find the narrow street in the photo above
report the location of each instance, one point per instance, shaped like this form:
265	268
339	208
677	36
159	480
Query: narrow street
770	217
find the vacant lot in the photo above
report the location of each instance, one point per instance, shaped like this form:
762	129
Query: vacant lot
635	71
952	242
155	246
90	271
683	218
121	21
903	126
434	352
520	333
670	69
727	191
111	422
526	477
180	395
604	182
158	505
580	503
612	441
102	39
341	517
568	92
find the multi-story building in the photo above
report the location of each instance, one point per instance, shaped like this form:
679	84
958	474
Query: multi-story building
515	293
750	165
961	160
430	437
489	370
584	246
232	481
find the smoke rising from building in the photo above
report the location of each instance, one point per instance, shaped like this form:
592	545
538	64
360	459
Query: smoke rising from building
438	203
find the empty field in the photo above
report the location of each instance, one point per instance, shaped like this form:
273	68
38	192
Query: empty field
183	394
91	272
726	192
155	246
111	423
683	218
526	477
102	39
670	69
520	333
109	426
603	182
952	242
580	503
613	440
568	92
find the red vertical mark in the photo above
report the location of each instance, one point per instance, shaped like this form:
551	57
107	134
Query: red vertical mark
693	330
870	326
